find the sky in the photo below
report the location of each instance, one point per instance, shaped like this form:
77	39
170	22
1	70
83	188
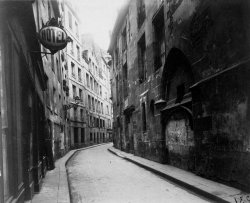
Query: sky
98	18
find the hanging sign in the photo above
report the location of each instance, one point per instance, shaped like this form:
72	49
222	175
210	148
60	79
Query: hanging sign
53	36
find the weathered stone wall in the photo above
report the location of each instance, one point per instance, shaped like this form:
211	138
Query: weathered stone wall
207	49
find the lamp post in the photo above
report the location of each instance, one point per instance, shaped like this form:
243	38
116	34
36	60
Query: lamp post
69	106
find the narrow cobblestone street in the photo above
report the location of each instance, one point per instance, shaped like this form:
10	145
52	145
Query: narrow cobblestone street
96	175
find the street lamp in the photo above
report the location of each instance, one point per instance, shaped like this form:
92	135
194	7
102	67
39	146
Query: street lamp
69	106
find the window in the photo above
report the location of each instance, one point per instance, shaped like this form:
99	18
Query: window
87	78
81	114
80	94
117	89
93	104
116	57
78	52
125	80
141	14
70	20
124	39
144	122
100	90
142	59
91	137
77	29
96	70
99	107
54	97
102	107
74	91
73	70
89	102
72	47
91	83
107	109
90	65
159	44
79	75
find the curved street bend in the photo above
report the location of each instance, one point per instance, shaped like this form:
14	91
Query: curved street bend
96	175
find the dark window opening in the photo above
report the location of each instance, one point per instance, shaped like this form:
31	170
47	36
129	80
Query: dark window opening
82	135
125	80
159	39
152	107
141	14
180	93
91	137
124	39
144	122
142	59
75	135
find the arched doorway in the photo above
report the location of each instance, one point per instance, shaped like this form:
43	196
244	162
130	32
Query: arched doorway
176	117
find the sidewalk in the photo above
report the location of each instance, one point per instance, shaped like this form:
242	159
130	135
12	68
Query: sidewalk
55	187
212	190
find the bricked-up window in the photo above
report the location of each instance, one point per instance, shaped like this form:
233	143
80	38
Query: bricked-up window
141	14
142	59
125	80
70	20
144	121
159	36
124	38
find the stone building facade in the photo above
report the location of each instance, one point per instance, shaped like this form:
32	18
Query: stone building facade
97	92
32	120
180	85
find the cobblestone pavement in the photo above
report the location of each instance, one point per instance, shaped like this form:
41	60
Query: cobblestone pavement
96	175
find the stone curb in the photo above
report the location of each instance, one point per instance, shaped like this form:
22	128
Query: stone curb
174	180
66	162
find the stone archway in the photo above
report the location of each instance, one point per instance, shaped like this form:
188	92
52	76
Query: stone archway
177	77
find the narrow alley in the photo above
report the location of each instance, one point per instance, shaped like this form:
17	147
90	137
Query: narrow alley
96	175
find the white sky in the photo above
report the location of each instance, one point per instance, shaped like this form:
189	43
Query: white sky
98	18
